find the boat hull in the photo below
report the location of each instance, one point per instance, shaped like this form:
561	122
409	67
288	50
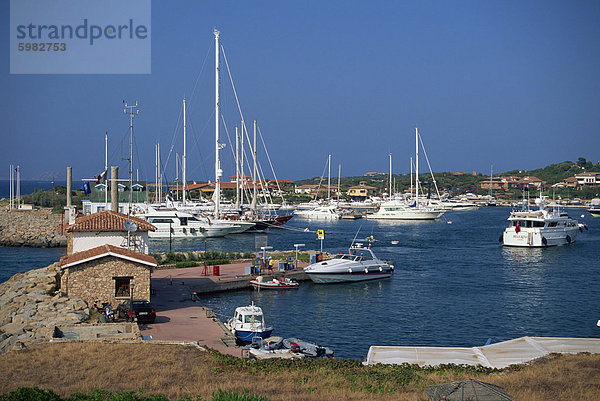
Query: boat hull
539	238
269	285
417	215
248	337
332	278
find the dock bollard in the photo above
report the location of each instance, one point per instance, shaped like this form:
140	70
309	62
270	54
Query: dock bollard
216	270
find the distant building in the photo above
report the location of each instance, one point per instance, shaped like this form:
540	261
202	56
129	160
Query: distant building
361	191
305	189
373	174
588	179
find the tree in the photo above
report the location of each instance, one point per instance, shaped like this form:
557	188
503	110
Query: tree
581	162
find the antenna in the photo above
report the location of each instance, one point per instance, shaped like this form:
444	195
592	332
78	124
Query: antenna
131	115
130	226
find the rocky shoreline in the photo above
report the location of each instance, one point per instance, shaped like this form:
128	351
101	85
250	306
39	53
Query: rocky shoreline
31	228
31	306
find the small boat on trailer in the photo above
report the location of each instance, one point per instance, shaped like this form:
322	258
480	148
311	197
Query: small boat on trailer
282	283
248	324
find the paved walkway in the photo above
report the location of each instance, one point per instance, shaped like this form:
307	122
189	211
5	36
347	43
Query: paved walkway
179	318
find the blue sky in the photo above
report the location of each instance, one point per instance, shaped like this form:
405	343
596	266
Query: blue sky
513	83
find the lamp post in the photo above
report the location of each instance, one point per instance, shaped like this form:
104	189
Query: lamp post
264	251
131	285
297	246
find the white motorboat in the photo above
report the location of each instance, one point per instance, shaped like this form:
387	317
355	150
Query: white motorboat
359	264
328	212
171	223
248	324
544	227
594	207
398	210
283	283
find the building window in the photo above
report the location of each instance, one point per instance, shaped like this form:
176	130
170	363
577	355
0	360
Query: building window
122	286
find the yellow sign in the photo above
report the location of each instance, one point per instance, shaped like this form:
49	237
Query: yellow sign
320	234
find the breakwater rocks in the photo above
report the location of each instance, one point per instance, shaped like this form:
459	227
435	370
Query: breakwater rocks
31	307
33	228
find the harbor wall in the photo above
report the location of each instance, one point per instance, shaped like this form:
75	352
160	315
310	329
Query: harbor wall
31	228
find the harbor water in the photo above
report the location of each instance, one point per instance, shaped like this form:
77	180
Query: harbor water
453	285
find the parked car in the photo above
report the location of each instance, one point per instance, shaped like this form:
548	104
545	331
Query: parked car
142	310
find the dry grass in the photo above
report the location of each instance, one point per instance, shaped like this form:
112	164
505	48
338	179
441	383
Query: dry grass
179	372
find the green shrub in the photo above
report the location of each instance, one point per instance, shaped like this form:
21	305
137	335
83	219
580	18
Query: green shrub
233	396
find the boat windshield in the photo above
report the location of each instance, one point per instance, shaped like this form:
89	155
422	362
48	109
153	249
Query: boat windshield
253	319
344	257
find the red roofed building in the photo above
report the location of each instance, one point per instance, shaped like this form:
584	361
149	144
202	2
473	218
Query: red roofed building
107	227
106	273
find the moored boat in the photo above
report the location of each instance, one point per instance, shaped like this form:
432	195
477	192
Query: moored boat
359	264
248	324
283	283
547	226
594	207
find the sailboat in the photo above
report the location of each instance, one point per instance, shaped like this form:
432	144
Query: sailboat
327	211
397	209
491	201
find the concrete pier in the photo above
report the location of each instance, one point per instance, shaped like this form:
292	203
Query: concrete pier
179	318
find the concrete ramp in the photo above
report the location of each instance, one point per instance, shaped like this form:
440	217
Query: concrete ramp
498	355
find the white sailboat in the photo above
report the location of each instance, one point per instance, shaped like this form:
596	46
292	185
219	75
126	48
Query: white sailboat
396	209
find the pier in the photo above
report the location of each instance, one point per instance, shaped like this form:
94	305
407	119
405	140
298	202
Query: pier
180	318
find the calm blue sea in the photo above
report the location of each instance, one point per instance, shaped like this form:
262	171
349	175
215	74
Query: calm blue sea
454	284
28	187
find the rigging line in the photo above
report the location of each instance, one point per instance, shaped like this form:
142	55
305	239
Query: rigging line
321	179
232	84
269	159
174	136
201	71
429	165
196	144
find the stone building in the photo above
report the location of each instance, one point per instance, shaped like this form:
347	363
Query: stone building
106	273
107	227
105	261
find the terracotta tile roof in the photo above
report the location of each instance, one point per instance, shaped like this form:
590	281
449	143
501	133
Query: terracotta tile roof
106	250
108	221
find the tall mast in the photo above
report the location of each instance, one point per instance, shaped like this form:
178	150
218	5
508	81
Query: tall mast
491	174
177	175
417	165
339	178
105	170
131	115
218	171
237	169
390	192
254	170
329	178
411	176
183	159
243	177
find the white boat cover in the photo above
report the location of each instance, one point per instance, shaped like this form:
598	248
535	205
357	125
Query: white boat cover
498	355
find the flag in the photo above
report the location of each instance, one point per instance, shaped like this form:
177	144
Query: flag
517	227
86	188
101	176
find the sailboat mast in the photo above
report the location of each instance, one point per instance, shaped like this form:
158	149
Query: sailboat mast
237	169
217	116
105	170
491	174
411	176
254	171
339	178
417	165
243	186
183	159
390	192
329	177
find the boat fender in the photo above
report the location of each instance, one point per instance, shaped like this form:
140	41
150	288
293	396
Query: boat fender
501	238
544	241
366	271
349	270
380	268
568	239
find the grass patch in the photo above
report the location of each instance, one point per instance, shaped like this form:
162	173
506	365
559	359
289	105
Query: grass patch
177	372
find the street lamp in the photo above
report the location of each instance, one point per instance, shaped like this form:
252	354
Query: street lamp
297	246
264	251
131	285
